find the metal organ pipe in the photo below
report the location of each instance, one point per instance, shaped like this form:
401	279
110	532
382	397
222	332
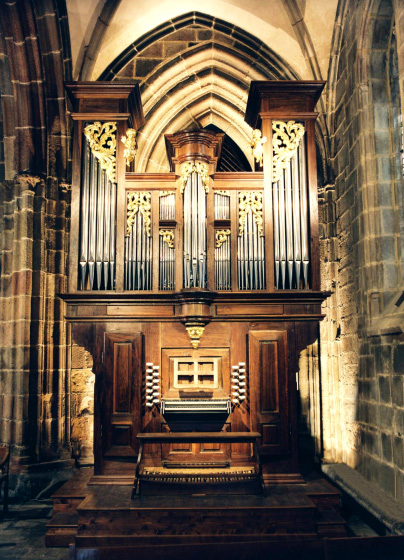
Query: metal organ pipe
222	242
194	232
97	214
291	226
250	242
166	242
304	213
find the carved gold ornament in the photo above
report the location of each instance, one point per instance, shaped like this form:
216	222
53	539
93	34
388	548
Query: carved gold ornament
195	334
168	237
257	143
139	202
223	193
166	193
190	167
285	141
130	145
102	142
221	237
250	200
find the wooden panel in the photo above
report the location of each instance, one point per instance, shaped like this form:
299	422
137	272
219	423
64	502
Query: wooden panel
122	354
269	391
249	309
121	435
269	377
269	434
141	310
120	398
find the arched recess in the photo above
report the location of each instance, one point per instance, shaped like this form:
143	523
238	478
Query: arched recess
194	71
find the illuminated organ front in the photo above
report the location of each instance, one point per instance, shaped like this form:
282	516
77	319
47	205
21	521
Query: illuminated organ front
195	290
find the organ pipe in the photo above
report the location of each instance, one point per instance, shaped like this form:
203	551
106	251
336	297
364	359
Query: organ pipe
194	259
97	208
138	242
290	207
250	242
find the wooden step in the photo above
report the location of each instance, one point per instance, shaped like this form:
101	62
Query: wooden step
371	548
68	497
331	524
61	530
110	511
236	550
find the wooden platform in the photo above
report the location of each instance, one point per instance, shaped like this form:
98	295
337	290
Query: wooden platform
105	515
371	548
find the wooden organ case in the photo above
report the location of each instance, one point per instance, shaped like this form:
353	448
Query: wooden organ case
194	290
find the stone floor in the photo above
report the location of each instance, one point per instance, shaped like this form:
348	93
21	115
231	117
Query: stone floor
22	532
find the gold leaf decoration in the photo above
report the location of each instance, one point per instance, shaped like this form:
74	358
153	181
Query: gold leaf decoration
285	141
102	142
130	145
257	143
223	193
166	193
250	200
168	237
194	166
139	202
221	236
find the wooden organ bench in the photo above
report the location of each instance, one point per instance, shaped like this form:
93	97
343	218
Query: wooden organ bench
196	478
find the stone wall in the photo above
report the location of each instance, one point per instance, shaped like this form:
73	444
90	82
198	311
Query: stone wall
82	406
362	359
34	230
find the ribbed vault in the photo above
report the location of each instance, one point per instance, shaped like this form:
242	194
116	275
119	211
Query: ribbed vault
194	71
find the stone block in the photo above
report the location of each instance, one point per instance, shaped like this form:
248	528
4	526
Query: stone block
387	446
145	65
386	478
384	388
399	485
398	452
398	358
172	48
397	391
154	51
385	416
127	71
398	423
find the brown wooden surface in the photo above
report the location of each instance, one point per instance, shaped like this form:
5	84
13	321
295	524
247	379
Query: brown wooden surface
236	550
269	390
121	386
171	437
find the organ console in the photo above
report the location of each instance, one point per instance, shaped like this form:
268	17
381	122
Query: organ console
196	289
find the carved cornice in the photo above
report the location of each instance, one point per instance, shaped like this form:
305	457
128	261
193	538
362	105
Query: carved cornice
285	141
102	140
139	202
250	200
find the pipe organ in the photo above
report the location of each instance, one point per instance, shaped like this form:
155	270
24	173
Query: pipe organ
195	290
